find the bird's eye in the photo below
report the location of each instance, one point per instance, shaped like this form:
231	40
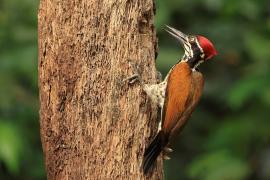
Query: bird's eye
192	39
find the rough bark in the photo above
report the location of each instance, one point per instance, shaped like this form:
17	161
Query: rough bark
94	125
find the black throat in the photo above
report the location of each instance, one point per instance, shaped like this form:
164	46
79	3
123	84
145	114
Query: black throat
196	59
192	62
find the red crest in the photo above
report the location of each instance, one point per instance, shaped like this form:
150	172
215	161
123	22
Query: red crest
207	46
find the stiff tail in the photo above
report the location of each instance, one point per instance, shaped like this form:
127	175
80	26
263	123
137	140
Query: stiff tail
152	152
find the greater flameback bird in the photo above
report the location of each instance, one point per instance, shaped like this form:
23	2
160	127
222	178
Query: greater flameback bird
178	94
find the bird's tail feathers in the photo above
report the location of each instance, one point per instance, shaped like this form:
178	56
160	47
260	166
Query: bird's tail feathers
153	151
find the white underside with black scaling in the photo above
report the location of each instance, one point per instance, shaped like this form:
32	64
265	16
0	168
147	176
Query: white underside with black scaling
156	92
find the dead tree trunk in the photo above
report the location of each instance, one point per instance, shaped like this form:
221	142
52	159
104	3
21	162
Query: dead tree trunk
94	125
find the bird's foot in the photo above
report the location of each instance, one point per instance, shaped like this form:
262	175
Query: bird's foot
135	77
166	151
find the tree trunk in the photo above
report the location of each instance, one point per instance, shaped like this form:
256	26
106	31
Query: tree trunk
93	124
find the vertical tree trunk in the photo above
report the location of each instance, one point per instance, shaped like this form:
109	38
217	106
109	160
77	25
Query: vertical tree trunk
94	125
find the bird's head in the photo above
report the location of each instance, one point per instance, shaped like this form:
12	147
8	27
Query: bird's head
197	48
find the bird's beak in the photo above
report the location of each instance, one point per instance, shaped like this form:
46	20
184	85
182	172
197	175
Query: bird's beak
183	38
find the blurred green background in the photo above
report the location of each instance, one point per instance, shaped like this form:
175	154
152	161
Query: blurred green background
228	137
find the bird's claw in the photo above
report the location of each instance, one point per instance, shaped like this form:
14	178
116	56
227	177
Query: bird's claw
168	150
132	79
165	157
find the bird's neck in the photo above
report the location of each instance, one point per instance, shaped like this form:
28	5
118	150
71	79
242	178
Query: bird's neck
193	62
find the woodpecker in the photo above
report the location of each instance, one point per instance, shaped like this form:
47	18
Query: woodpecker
178	94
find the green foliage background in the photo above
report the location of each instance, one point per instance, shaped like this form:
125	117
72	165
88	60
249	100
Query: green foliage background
228	137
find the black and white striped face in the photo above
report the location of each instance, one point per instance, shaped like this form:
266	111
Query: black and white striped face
193	50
